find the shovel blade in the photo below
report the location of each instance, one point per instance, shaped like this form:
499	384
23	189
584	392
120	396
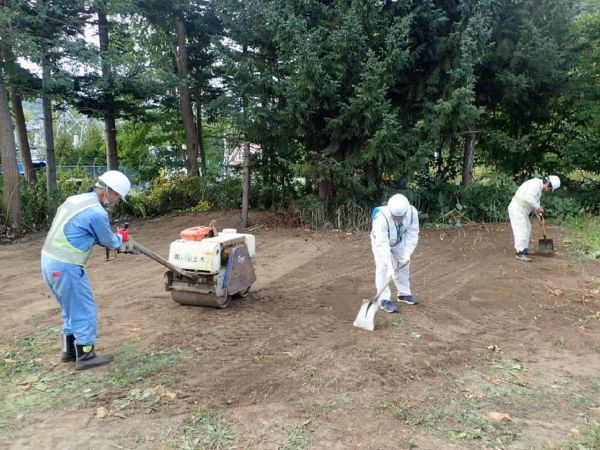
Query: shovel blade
365	318
546	247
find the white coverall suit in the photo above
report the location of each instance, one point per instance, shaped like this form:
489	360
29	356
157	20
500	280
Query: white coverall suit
392	242
525	201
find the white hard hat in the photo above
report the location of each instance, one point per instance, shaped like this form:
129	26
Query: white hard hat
398	205
117	181
554	181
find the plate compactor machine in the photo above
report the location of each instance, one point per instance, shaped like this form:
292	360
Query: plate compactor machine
206	267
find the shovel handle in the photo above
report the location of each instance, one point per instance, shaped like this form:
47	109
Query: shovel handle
543	224
382	288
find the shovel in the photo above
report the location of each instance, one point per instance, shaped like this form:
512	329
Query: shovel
545	246
365	318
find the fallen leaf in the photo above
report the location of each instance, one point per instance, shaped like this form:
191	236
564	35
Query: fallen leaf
493	348
498	417
574	430
595	410
101	412
162	391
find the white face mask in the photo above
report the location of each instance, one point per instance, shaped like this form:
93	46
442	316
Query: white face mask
107	203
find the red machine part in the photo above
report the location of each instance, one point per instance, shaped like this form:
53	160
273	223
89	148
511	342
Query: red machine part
197	233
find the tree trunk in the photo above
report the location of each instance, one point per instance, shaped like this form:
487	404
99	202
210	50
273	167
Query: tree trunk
17	104
11	194
185	101
325	196
246	185
49	137
469	157
200	134
110	131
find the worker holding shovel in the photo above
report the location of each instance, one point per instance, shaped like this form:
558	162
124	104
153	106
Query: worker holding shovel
526	201
80	222
394	237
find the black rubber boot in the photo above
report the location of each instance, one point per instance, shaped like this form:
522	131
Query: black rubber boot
87	357
68	348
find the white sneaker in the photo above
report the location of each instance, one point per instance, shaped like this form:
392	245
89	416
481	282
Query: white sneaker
521	256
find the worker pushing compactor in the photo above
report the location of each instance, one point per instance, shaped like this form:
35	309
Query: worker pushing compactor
80	223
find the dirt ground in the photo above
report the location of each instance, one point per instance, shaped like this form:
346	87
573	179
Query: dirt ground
285	368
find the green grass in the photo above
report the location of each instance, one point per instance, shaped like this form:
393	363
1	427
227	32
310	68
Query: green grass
134	366
584	232
587	438
397	325
559	341
31	383
207	429
458	411
298	437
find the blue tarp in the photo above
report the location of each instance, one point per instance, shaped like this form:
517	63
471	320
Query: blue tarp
36	165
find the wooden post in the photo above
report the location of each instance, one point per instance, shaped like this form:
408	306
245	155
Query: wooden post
246	185
469	157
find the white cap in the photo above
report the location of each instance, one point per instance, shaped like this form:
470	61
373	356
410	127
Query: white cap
398	205
554	181
117	181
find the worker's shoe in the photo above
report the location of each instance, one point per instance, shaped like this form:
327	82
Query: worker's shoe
409	299
68	348
522	256
529	252
389	306
87	357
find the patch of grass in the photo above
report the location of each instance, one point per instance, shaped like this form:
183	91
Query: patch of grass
369	349
319	408
460	410
298	436
370	353
24	384
587	437
559	341
207	429
584	232
23	356
396	324
28	384
134	366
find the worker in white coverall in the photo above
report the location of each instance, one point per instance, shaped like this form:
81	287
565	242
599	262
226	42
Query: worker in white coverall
526	201
394	237
80	222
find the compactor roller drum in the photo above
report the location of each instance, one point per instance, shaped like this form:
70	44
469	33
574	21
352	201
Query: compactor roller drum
196	299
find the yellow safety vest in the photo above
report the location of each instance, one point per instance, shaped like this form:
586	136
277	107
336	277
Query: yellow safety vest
57	245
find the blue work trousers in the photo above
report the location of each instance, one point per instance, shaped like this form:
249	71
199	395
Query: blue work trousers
71	288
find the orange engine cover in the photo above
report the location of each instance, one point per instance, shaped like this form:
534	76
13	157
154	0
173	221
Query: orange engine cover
196	233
